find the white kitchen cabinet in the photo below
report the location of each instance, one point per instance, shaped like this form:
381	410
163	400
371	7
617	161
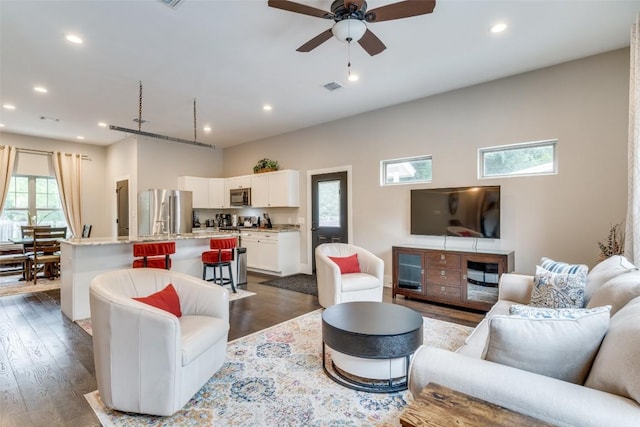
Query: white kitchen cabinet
272	252
276	189
199	187
260	190
243	181
218	197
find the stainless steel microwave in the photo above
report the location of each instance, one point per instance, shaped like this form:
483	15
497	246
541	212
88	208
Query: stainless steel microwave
240	197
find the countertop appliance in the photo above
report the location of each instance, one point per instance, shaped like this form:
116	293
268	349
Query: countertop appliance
164	212
240	197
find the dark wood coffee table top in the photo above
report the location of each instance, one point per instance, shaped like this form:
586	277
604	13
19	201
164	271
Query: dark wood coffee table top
374	330
441	406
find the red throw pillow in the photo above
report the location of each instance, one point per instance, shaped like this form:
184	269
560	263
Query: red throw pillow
348	264
166	299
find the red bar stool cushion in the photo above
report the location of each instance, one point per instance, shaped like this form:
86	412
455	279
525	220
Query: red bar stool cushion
155	262
220	255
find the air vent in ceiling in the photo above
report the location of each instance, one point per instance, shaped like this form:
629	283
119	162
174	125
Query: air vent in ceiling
172	3
332	86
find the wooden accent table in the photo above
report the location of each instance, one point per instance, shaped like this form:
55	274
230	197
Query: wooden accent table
441	406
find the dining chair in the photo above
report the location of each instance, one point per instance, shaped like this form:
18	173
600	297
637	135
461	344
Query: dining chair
26	231
46	251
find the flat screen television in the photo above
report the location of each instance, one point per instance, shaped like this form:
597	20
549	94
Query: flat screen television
461	212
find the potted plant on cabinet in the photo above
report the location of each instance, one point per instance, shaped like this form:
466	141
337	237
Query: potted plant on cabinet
266	165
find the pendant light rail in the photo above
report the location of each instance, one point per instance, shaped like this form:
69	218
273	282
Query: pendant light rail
155	135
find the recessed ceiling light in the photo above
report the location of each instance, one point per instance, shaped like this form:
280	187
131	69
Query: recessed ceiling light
102	124
1	125
9	107
353	77
73	38
498	28
40	89
207	128
267	107
79	137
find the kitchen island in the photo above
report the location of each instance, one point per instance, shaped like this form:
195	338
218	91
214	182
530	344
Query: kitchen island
83	259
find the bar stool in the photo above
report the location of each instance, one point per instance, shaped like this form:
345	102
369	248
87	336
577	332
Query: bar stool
154	255
222	253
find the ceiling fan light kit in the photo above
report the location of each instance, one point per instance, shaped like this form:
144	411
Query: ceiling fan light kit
349	30
351	18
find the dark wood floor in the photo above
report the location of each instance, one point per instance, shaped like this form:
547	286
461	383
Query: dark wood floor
46	361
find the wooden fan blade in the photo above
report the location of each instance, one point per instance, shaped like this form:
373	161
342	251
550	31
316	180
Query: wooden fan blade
316	41
371	43
299	8
403	9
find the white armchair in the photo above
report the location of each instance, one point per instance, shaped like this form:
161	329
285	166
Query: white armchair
336	288
146	359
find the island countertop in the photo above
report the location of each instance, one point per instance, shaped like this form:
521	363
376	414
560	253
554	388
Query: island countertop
99	241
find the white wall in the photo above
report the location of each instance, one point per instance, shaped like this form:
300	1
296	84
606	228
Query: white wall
583	104
94	201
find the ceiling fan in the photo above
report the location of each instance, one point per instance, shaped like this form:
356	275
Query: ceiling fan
351	18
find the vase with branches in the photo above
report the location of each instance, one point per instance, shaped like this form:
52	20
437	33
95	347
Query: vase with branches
614	243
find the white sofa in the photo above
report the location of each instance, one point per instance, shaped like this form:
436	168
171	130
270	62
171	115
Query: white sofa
148	360
610	395
336	288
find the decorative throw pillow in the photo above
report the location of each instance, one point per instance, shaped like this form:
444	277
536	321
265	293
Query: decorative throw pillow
554	313
557	348
347	264
558	290
616	368
562	267
617	292
166	299
605	271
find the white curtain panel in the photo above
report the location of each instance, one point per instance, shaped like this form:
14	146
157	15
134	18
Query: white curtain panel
7	160
68	169
632	232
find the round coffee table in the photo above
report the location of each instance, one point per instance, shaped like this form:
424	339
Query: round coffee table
371	343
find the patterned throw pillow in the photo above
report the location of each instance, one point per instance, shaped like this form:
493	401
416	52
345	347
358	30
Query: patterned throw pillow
554	313
558	290
562	267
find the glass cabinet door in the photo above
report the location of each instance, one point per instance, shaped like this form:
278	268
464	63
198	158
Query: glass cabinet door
410	271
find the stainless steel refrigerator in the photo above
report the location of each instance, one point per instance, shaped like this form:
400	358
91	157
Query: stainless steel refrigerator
164	212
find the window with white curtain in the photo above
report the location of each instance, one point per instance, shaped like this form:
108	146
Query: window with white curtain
31	200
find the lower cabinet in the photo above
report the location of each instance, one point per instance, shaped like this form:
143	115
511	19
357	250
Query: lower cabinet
272	252
465	279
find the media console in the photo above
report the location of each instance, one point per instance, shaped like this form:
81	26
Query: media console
457	277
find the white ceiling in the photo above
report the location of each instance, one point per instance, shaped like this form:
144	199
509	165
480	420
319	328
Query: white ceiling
234	56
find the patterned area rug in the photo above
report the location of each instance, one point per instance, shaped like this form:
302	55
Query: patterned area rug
12	286
303	283
85	324
275	378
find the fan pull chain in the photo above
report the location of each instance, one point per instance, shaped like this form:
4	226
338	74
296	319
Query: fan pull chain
140	107
195	134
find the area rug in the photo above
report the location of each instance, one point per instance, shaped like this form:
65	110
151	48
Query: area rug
85	324
274	378
303	283
16	287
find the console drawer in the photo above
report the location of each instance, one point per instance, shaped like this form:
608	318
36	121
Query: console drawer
446	292
451	261
441	276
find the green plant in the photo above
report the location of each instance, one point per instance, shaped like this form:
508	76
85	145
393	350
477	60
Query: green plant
266	164
614	244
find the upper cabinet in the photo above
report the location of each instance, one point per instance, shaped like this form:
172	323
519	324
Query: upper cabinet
270	189
218	197
234	182
199	187
275	189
